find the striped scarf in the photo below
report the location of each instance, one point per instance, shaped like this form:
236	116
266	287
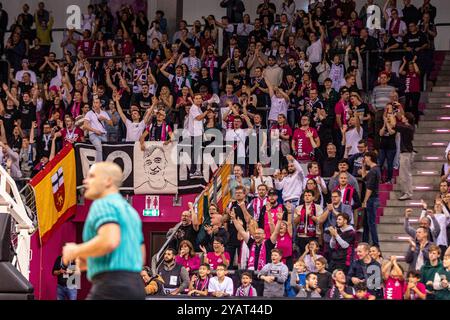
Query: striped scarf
244	291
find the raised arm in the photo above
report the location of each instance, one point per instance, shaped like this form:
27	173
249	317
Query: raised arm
276	231
3	133
163	68
270	87
10	96
402	67
239	227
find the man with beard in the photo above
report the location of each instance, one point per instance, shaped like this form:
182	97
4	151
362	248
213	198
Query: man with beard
343	168
349	195
188	229
269	211
292	184
175	276
143	99
310	290
342	243
329	163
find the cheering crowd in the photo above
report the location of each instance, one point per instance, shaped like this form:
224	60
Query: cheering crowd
341	98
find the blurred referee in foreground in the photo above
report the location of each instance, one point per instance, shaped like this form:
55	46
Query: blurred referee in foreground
113	252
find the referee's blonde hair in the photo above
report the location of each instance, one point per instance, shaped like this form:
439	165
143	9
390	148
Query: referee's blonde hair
110	170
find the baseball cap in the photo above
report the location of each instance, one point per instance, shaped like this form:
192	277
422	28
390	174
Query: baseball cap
272	192
26	61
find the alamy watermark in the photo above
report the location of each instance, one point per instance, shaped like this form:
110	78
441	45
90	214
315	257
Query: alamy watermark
74	17
373	17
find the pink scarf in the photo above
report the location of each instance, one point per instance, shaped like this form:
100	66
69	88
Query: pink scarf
258	204
244	291
201	284
307	225
210	62
348	194
76	108
262	257
152	131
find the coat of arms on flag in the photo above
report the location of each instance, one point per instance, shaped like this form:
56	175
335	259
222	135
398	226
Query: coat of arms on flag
58	188
55	189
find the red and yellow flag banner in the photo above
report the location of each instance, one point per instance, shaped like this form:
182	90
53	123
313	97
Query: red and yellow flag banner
56	192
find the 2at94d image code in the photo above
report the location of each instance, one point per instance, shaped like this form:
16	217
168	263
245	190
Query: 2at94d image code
224	310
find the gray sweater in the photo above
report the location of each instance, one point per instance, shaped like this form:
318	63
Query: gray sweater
280	272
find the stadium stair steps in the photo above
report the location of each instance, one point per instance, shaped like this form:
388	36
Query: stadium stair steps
431	138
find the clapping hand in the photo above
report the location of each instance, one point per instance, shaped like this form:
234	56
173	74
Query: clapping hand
280	214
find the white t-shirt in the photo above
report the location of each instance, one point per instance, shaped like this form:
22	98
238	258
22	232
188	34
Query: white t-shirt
314	52
94	122
226	286
195	127
239	136
19	75
279	106
352	138
134	130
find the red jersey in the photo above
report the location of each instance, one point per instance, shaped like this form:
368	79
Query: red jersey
303	145
127	47
394	289
342	108
412	82
215	260
229	122
86	45
71	136
284	129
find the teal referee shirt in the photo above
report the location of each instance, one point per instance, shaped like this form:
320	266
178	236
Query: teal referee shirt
128	255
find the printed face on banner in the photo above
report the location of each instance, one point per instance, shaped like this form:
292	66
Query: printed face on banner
155	172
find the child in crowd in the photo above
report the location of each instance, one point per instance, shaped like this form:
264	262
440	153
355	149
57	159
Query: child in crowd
199	284
246	289
361	292
414	290
393	280
442	277
221	285
311	255
324	279
302	270
274	275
